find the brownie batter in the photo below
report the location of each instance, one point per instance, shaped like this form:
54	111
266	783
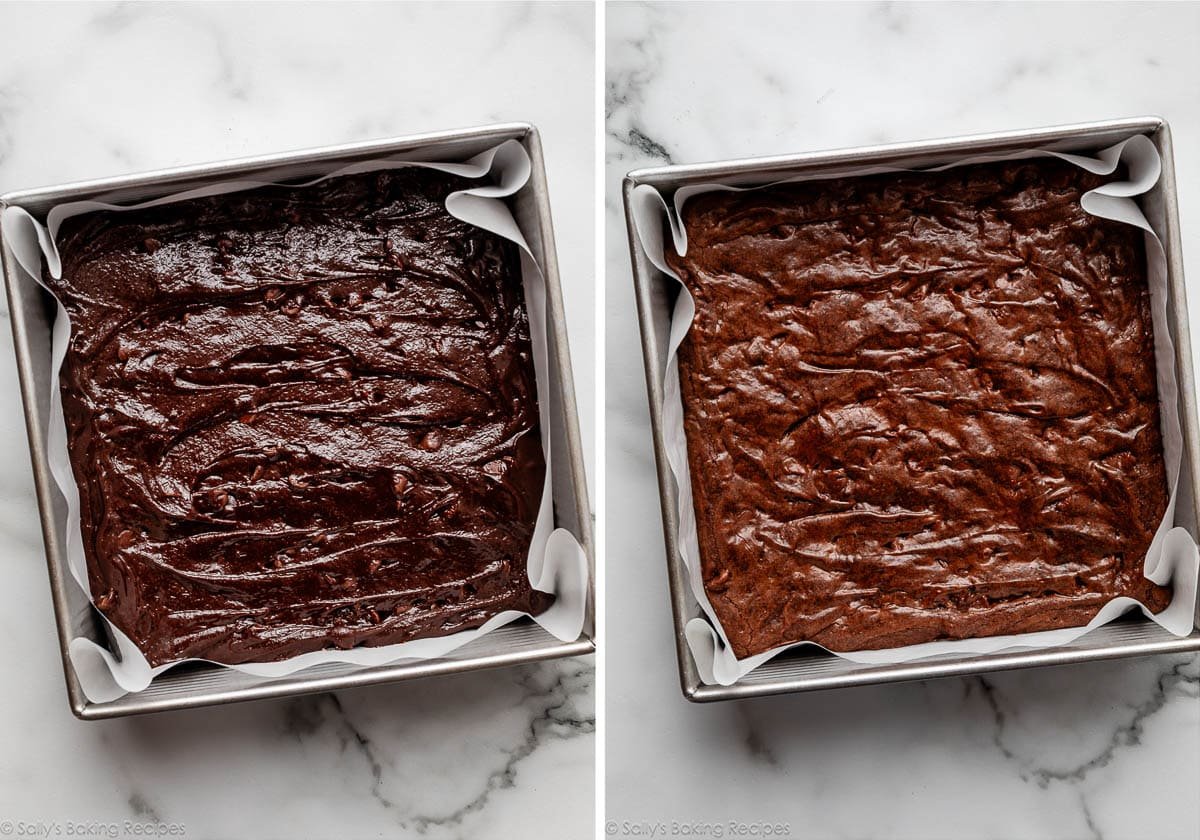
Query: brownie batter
300	418
918	407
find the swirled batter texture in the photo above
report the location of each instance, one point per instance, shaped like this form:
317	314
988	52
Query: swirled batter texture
918	407
300	418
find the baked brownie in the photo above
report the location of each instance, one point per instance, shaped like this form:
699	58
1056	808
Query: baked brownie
300	418
918	407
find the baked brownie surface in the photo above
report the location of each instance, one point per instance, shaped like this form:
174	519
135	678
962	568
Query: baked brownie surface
918	407
300	418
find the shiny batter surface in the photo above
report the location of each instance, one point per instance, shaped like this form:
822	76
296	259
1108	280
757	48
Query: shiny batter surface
300	418
918	407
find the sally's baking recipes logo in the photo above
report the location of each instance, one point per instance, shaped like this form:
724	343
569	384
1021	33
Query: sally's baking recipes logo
689	828
86	829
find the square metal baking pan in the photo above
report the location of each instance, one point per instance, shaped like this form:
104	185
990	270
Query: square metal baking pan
201	685
806	670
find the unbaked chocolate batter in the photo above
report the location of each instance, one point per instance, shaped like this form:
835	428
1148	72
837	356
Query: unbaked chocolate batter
300	418
918	407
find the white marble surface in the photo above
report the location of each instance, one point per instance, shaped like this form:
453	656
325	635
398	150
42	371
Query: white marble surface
1099	751
103	89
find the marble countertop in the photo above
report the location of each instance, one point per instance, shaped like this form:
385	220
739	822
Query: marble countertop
93	90
1097	751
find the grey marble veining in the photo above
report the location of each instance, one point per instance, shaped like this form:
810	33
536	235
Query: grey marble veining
1108	750
91	90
